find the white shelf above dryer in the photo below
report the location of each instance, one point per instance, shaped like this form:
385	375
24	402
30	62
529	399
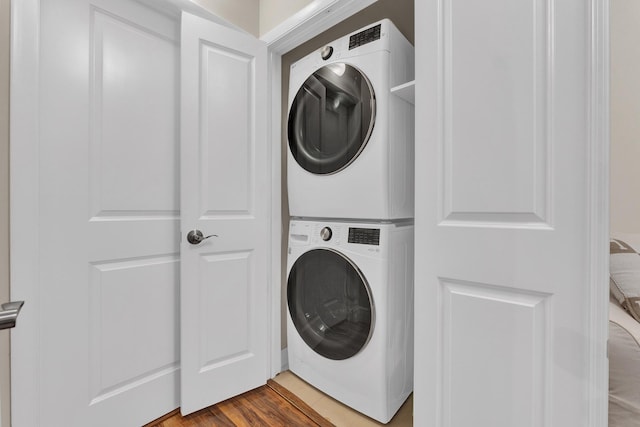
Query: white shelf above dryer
406	91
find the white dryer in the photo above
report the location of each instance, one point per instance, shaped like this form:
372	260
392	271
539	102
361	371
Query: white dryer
350	312
350	139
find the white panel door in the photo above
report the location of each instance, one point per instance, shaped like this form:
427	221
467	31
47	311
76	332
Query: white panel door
99	344
224	181
502	225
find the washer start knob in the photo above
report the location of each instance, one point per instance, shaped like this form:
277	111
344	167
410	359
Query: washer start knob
326	233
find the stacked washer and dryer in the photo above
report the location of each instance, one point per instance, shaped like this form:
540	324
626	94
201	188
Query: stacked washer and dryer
350	185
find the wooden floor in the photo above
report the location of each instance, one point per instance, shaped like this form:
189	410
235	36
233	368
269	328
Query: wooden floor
269	405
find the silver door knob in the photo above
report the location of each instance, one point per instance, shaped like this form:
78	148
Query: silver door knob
9	314
195	237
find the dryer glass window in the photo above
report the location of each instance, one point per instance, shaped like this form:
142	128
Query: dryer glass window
331	118
330	304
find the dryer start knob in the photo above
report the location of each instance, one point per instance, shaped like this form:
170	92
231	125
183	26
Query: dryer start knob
326	233
326	52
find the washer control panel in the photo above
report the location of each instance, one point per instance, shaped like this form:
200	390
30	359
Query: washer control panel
364	236
359	236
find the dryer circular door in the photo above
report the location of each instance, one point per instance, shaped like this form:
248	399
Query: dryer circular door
331	118
330	304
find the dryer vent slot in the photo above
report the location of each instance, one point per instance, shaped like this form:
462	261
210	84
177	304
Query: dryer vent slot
364	37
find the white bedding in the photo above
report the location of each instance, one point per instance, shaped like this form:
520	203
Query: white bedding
624	368
624	358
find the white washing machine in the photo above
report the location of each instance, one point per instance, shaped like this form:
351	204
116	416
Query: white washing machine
350	139
350	312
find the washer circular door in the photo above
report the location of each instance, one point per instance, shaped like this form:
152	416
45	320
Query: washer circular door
330	304
331	118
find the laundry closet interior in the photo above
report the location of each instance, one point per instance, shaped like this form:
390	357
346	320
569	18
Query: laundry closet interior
350	240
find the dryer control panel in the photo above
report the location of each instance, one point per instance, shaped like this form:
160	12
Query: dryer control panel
366	36
364	236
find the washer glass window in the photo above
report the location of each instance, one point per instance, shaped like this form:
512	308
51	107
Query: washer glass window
331	118
330	304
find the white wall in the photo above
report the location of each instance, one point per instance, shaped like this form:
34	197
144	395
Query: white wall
625	115
243	13
256	17
273	12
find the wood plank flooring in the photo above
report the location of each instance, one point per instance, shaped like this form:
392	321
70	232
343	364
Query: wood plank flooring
268	406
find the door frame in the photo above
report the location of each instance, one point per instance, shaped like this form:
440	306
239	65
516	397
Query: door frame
598	216
23	196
